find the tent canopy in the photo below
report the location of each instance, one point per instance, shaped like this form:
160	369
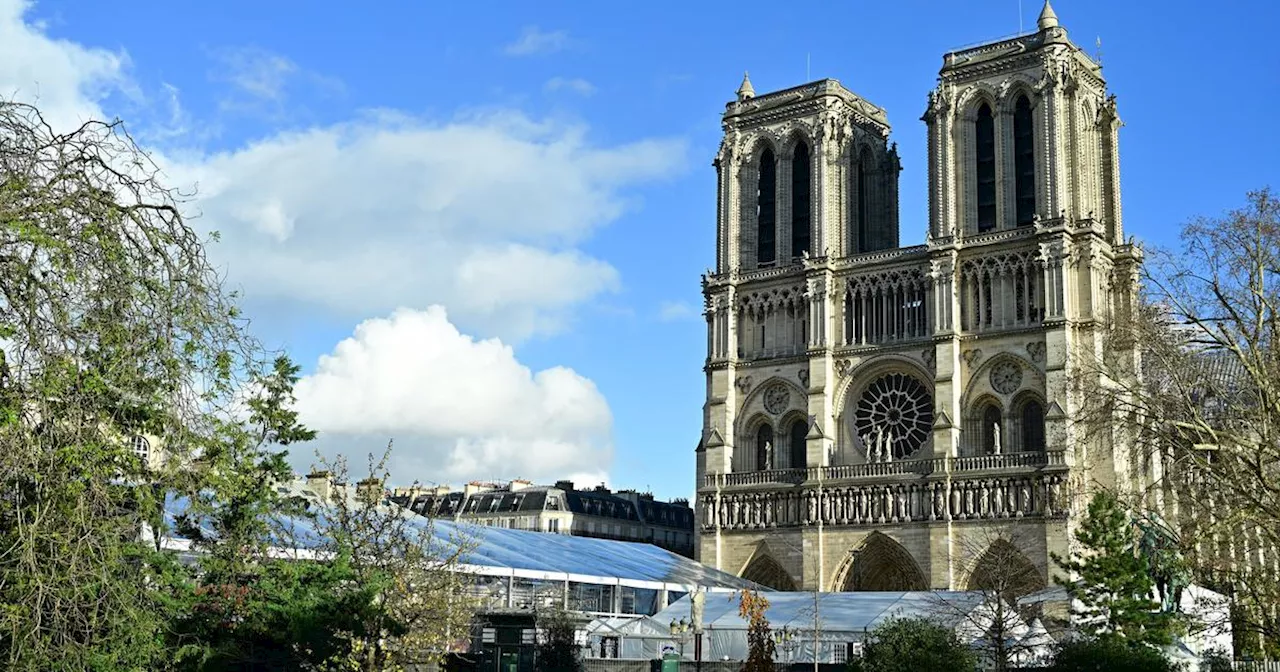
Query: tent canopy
837	612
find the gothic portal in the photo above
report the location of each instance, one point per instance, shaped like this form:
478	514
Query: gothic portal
878	416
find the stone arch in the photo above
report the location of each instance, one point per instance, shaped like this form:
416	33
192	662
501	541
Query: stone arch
863	378
1004	569
1027	412
977	432
793	137
973	97
1015	85
792	423
746	448
880	564
979	382
766	571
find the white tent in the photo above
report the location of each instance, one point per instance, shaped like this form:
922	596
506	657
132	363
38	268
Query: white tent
841	620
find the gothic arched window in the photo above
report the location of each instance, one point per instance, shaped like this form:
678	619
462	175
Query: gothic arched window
985	170
1032	426
990	421
799	459
864	203
766	210
764	446
800	201
1024	162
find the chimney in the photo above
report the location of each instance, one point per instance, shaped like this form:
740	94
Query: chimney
518	485
369	491
441	490
321	483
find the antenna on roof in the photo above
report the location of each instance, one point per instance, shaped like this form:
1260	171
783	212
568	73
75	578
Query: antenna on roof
1097	55
806	66
1019	16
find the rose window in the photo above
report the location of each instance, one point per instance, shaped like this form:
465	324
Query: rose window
898	409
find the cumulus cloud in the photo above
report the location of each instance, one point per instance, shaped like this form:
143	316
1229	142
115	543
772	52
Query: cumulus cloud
575	85
534	40
458	408
67	80
480	214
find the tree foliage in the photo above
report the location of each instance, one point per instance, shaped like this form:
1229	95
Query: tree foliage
915	644
558	649
1109	653
115	334
113	325
760	644
1114	588
1203	401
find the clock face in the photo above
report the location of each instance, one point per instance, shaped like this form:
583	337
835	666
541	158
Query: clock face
1006	377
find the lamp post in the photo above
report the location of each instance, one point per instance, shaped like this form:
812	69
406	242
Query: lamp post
682	630
785	638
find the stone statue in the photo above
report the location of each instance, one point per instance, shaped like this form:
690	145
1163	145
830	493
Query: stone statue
768	455
995	438
888	447
696	600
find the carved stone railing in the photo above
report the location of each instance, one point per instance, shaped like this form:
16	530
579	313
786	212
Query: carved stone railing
881	470
769	477
1023	460
1003	497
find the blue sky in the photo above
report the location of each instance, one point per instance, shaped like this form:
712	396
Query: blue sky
479	227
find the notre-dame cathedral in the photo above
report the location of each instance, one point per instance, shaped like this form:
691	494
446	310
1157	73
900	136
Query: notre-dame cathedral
879	417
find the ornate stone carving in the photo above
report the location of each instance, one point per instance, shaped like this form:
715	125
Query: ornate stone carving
743	383
896	411
777	398
846	366
1006	377
971	357
1036	350
929	357
803	376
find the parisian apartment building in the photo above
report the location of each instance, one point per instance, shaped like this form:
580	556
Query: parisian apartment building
562	508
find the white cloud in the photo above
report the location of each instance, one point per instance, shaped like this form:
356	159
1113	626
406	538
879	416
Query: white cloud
670	311
256	72
534	40
481	215
458	408
577	85
66	80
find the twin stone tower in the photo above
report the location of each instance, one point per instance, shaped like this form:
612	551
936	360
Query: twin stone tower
896	418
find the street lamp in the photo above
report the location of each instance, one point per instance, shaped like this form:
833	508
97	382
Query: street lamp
786	639
682	630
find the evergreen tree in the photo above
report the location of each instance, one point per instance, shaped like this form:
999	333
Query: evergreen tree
1115	588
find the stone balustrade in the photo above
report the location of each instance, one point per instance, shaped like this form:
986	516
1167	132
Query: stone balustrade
925	500
898	468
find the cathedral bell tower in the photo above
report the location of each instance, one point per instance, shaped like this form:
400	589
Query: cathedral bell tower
873	410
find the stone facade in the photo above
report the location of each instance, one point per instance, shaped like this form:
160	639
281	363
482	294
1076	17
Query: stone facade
876	414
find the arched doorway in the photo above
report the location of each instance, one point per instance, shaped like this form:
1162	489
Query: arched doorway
766	571
883	564
1003	569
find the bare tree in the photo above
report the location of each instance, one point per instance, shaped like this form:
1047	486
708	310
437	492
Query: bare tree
1191	379
424	603
999	574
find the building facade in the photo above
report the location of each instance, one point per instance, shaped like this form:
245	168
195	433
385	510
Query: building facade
625	515
881	417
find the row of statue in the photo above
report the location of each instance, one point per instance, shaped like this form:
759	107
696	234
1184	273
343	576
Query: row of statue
1039	495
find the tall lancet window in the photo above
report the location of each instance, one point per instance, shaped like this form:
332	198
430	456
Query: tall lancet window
985	136
801	220
1024	162
863	177
766	210
799	430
